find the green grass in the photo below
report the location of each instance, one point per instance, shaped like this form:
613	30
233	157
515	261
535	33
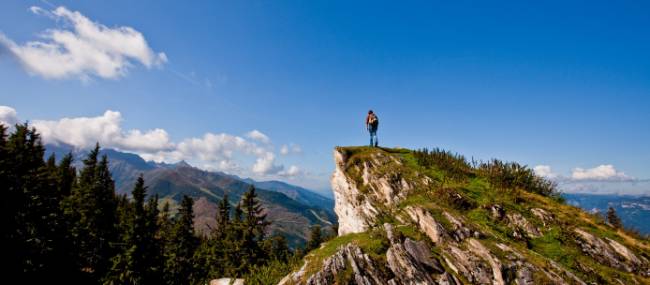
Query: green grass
372	242
552	245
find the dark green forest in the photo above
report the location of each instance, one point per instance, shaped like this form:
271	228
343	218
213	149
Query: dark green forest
62	224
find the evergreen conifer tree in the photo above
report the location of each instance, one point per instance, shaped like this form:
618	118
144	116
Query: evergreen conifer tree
35	234
154	245
93	205
254	225
183	243
613	218
315	238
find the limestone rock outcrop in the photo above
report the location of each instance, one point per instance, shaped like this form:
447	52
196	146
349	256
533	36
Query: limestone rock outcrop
398	229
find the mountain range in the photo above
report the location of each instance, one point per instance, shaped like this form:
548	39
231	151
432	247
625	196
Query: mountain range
292	210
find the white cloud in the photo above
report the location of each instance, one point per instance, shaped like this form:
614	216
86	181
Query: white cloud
291	172
82	48
258	136
545	171
8	116
223	152
602	179
220	151
601	172
291	148
84	132
265	164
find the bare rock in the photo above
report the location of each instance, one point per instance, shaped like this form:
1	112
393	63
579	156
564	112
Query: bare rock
422	254
405	268
469	265
354	211
447	279
544	216
460	231
427	224
522	226
611	253
495	264
497	212
349	257
599	250
410	261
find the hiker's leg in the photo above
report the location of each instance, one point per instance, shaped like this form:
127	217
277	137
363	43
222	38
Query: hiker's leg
371	136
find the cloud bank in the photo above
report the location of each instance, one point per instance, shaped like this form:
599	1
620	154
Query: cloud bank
604	172
84	132
601	179
247	155
601	172
82	48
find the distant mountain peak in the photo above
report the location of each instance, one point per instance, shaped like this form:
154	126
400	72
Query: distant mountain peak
182	163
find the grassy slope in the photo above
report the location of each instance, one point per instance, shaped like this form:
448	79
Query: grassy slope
557	242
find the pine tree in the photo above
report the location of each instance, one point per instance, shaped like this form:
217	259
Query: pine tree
130	265
254	226
206	261
164	237
67	175
165	223
154	247
34	234
183	243
315	238
233	244
11	244
223	218
277	248
93	205
613	218
212	257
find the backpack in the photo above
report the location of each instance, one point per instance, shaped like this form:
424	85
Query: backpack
373	120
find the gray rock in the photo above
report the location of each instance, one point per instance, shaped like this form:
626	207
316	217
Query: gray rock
419	251
611	253
348	258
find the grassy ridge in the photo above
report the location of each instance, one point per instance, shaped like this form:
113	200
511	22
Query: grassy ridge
481	185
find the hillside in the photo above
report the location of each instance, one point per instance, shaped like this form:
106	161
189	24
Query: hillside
291	209
408	217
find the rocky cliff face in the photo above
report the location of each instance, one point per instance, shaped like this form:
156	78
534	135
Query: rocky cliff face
404	223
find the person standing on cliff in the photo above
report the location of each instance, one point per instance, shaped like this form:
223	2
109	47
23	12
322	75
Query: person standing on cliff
372	123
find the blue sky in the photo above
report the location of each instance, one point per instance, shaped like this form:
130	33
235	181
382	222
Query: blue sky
559	84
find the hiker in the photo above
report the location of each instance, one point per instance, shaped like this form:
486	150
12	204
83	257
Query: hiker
372	123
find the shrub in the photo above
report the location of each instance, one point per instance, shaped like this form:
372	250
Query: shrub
511	175
453	164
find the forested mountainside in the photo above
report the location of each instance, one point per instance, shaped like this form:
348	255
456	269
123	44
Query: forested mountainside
293	209
64	222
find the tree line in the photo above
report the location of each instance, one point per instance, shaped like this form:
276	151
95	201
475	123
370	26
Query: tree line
69	225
